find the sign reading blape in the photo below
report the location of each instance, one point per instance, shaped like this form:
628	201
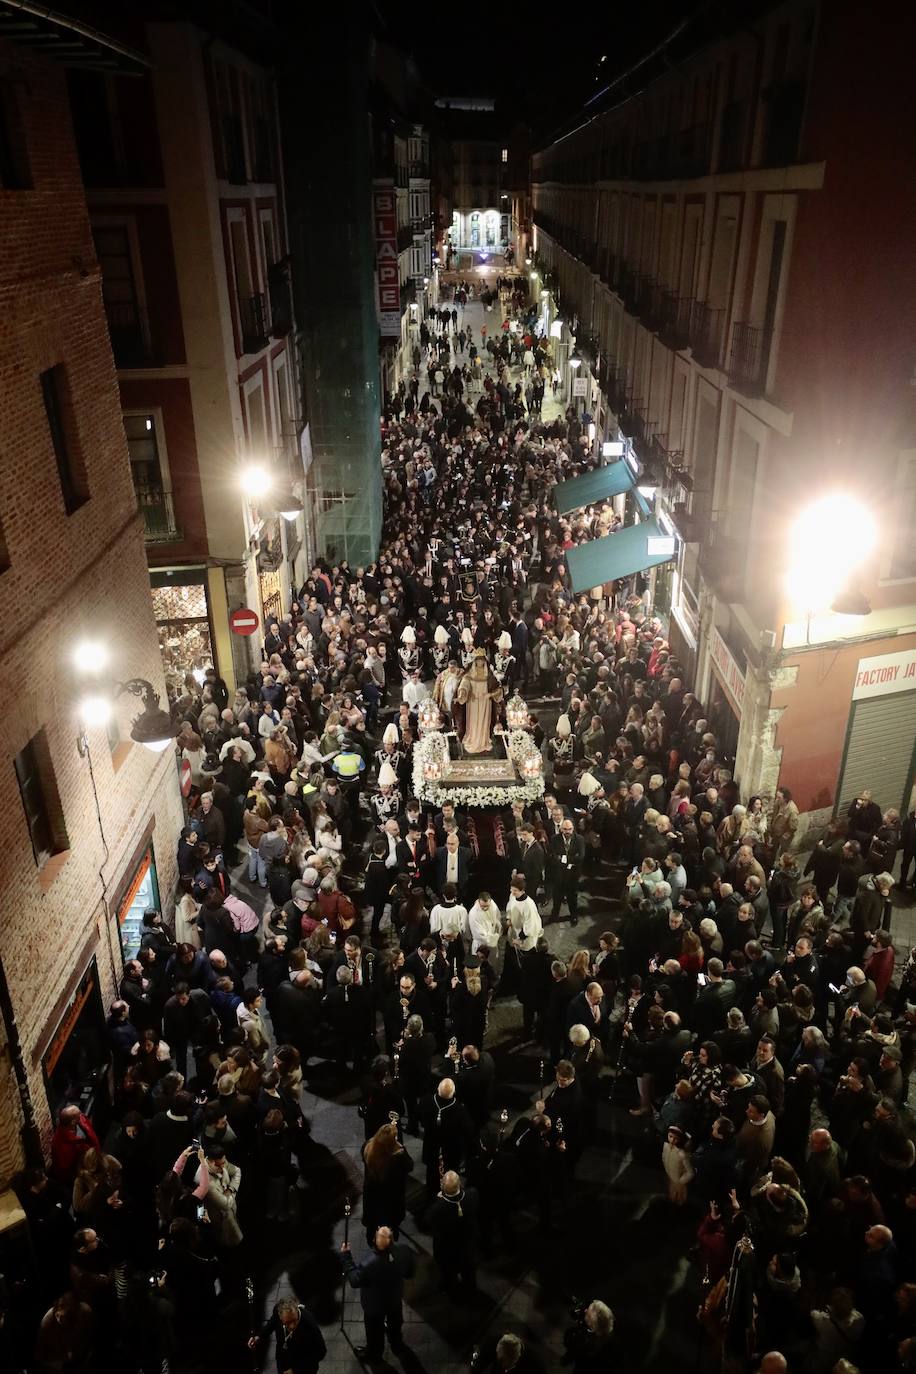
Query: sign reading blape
884	675
385	207
730	675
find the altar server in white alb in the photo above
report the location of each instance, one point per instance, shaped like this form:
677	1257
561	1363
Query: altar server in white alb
523	920
486	922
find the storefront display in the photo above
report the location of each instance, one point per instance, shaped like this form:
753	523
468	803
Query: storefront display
142	893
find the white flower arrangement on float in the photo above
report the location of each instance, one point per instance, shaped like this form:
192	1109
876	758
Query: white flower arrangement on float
431	757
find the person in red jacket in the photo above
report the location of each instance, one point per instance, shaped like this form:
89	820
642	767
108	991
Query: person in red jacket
879	965
73	1137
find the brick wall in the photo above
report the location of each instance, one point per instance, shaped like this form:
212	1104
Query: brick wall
70	576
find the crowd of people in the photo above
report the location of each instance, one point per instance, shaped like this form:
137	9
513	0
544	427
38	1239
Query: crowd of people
742	1005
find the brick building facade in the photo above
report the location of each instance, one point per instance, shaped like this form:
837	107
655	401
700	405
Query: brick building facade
78	824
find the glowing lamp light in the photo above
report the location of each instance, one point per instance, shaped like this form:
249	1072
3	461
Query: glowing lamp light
95	710
90	656
257	480
199	675
829	540
516	713
531	765
575	362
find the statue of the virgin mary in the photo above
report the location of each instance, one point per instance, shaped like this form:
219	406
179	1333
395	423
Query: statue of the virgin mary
479	695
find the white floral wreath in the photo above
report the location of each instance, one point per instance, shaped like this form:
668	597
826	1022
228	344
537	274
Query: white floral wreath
519	747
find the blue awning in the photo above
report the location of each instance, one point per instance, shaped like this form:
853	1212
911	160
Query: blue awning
609	480
619	555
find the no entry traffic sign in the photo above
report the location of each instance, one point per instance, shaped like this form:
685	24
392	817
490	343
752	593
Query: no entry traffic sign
243	621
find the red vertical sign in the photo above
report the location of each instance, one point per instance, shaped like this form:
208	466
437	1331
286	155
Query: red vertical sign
385	207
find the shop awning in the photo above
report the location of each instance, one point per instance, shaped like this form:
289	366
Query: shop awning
618	555
597	485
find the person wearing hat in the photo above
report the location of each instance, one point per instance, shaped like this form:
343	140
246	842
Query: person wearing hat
562	751
408	654
390	750
386	802
440	651
505	667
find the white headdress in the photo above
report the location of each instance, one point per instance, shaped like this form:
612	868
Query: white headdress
390	735
588	785
387	777
564	729
408	635
466	637
504	642
441	635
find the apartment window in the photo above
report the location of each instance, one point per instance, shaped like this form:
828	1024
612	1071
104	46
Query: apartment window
505	155
154	498
40	799
59	412
126	319
14	165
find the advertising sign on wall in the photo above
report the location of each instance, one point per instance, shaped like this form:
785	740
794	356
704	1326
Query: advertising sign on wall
385	206
885	674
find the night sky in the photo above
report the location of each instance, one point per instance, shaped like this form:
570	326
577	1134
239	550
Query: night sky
541	63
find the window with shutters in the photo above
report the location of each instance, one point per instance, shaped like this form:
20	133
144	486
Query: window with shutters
41	799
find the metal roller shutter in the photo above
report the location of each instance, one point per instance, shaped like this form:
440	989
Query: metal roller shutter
880	751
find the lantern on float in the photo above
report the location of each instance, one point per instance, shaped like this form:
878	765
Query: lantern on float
531	765
517	714
428	715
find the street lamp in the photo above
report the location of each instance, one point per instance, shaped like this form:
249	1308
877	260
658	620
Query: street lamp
830	540
152	728
575	362
257	480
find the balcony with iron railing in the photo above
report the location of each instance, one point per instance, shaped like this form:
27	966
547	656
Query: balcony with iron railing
155	506
706	323
673	321
749	358
254	320
723	558
647	304
128	328
628	286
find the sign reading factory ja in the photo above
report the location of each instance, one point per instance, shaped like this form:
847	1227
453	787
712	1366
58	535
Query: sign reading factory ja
385	205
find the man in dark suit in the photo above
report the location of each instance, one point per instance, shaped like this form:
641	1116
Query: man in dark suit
413	854
567	852
529	859
295	1012
589	1009
710	1010
453	864
447	813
